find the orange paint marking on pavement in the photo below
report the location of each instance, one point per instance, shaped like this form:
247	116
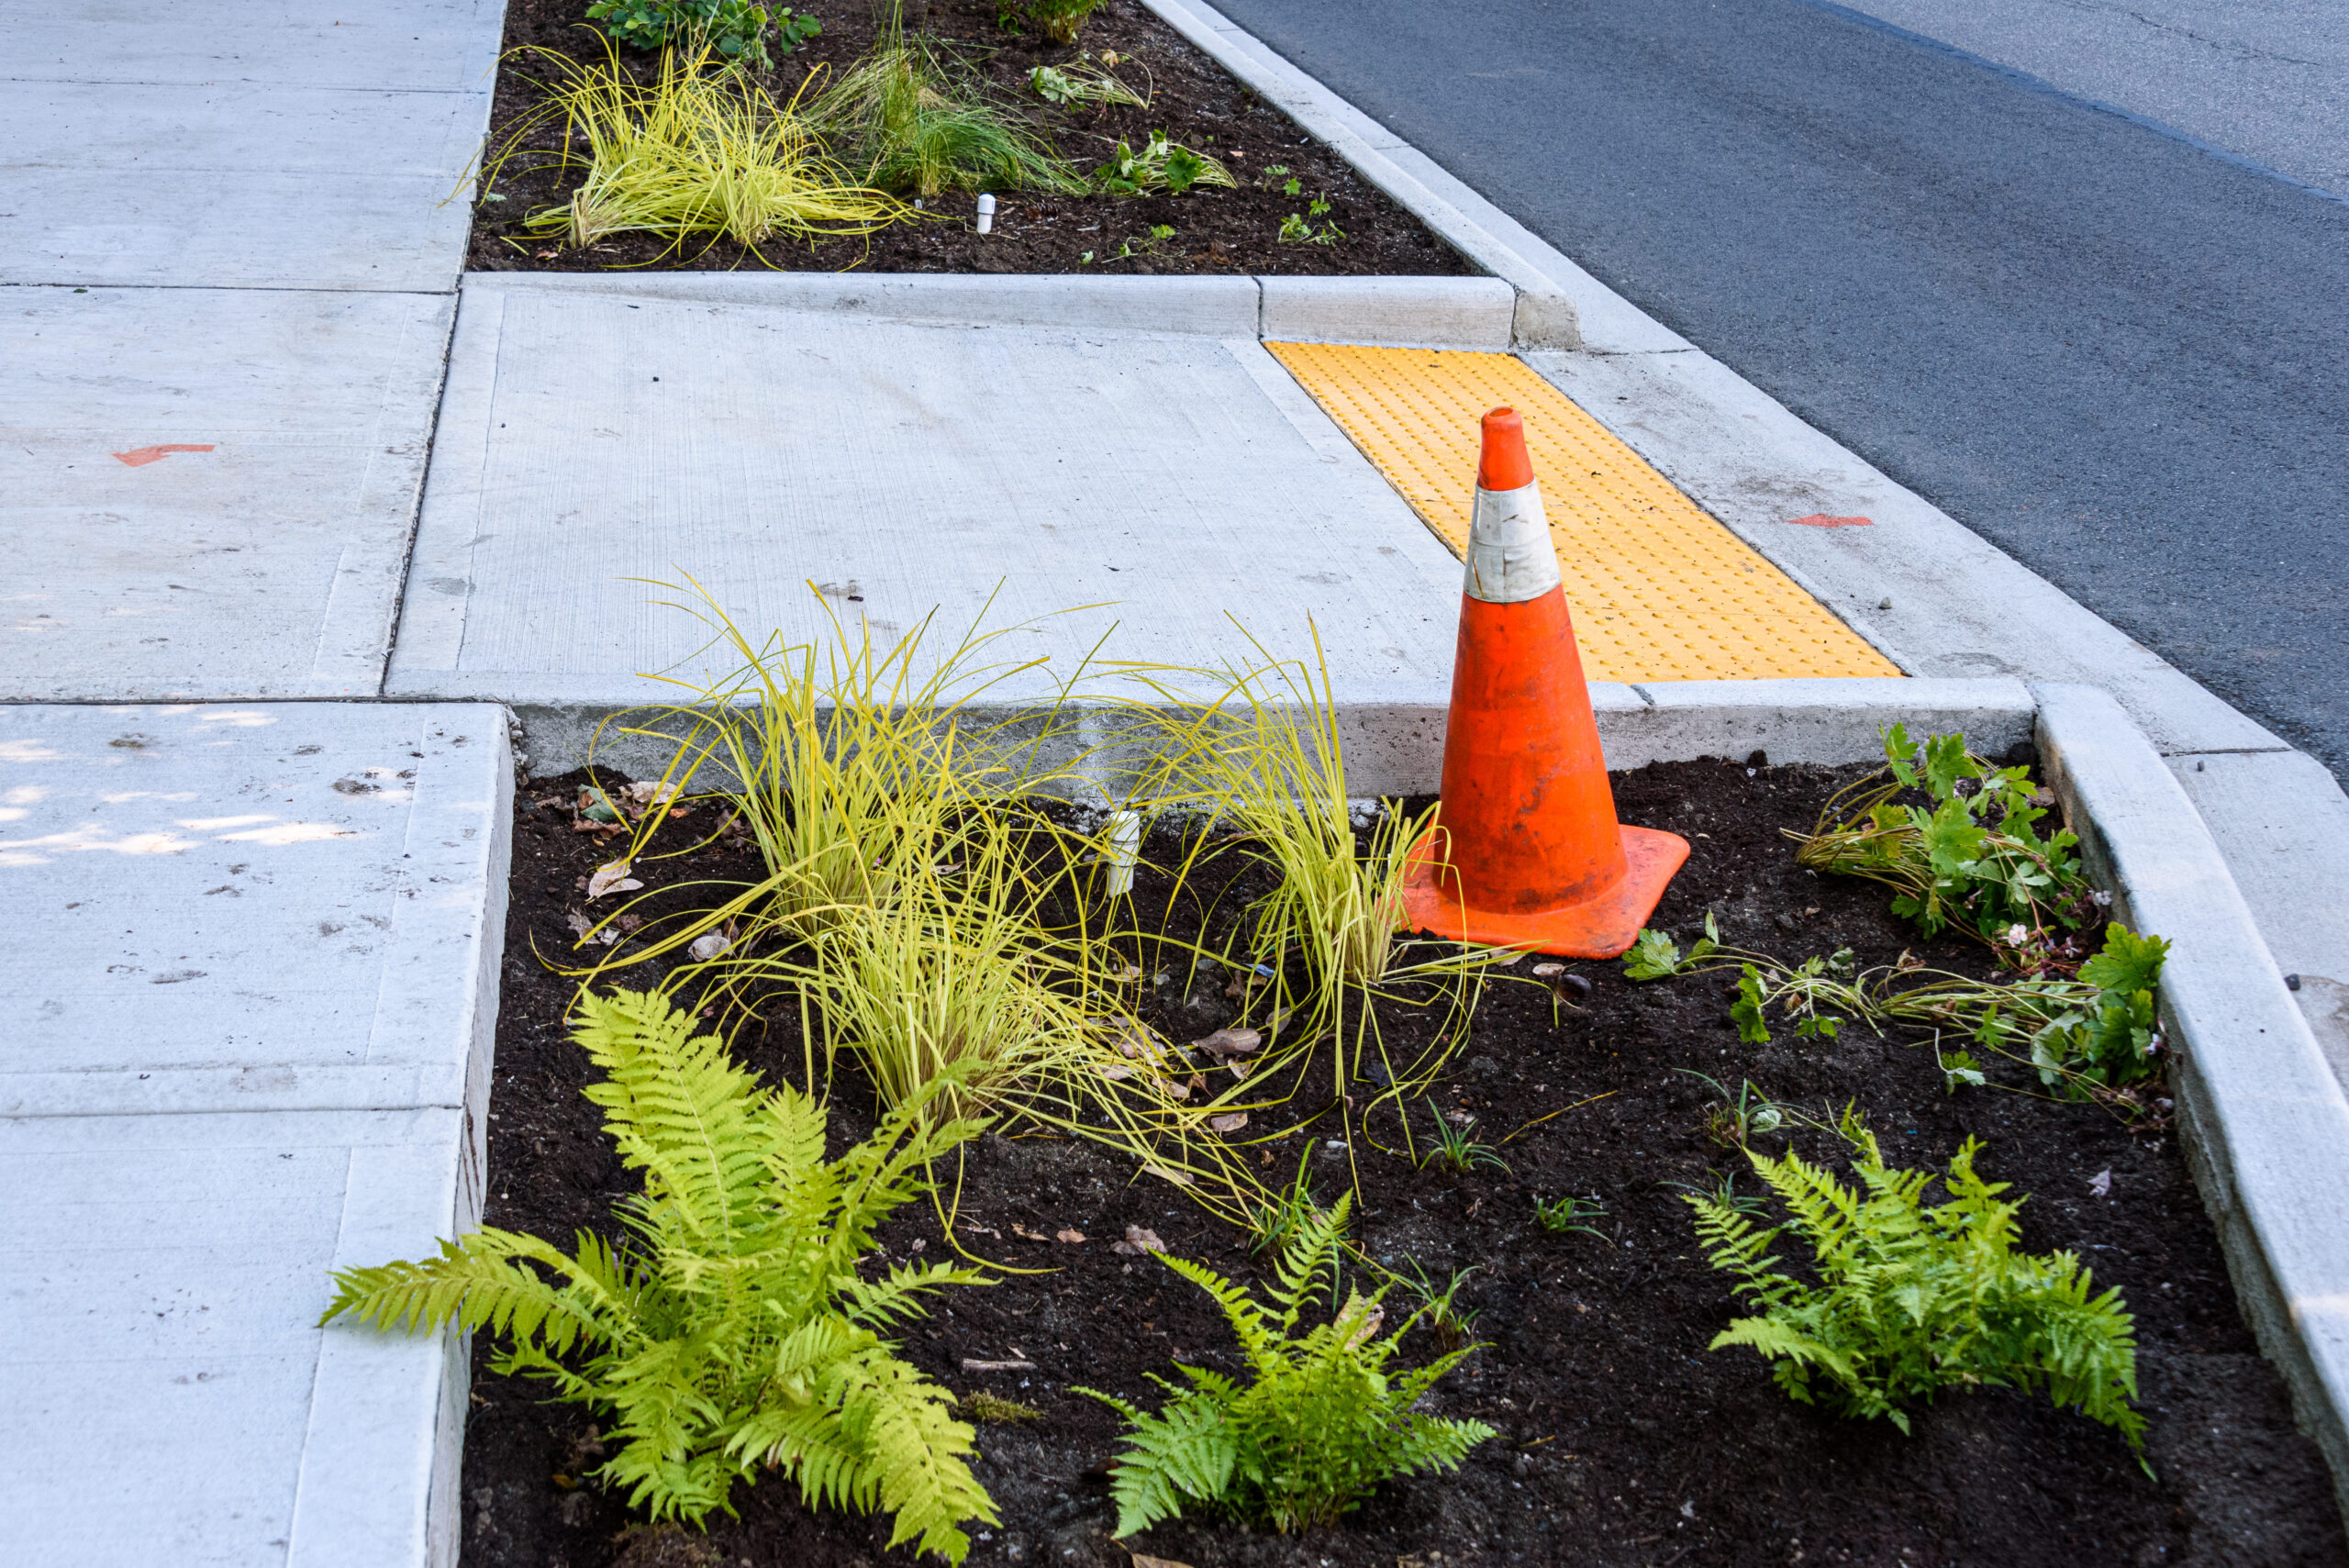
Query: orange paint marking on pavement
1822	520
139	457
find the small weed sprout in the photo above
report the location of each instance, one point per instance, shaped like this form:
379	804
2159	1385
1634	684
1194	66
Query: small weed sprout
1440	1309
1724	1194
1452	1148
1160	165
1143	244
1278	1219
1734	1120
1320	1422
1560	1216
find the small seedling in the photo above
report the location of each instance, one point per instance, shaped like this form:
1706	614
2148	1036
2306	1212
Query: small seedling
1439	1309
1455	1151
1560	1214
1143	244
1160	165
1285	1214
1296	229
1723	1194
1733	1120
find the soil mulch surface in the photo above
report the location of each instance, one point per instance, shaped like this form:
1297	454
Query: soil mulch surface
1624	1441
1192	100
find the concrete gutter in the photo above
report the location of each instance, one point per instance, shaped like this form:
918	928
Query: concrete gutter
2265	1122
1385	312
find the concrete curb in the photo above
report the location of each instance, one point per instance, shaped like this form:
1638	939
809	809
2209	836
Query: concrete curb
1547	283
2266	1123
1387	312
1394	739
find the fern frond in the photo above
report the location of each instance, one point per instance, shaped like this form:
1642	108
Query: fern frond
735	1331
480	1281
1186	1450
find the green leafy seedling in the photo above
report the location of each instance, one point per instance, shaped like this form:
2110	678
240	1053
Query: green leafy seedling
1455	1151
1561	1215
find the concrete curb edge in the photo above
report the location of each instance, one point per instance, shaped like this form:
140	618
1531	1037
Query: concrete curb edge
1380	311
2264	1123
1545	281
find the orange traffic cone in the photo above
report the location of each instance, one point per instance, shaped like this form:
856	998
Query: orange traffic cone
1526	851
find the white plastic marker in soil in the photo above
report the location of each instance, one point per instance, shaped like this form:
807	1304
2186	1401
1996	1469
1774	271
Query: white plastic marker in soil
246	1014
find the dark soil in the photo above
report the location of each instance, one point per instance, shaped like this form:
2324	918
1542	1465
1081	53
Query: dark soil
1215	231
1624	1441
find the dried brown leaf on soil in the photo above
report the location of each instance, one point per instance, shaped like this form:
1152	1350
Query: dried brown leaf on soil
1231	1042
1069	1236
1138	1241
611	878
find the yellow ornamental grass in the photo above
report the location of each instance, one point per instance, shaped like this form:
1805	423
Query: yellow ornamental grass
697	152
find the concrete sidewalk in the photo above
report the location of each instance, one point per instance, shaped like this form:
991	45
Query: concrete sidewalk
245	1039
218	412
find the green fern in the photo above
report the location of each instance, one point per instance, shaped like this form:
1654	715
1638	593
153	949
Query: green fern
1911	1299
1321	1423
730	1329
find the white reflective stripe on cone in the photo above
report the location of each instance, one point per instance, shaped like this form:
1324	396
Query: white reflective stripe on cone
1511	559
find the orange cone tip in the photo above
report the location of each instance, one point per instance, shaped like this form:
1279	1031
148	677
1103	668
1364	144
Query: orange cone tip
1526	851
1504	465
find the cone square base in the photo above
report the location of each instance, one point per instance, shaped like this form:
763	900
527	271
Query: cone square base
1604	926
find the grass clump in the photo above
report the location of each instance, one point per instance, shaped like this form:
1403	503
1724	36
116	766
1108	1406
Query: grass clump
730	1330
1320	1422
697	153
913	119
957	974
1911	1299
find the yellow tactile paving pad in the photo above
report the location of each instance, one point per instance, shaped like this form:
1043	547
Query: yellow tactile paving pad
1660	591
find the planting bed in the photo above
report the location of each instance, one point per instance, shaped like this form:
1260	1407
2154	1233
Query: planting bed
1192	100
1623	1439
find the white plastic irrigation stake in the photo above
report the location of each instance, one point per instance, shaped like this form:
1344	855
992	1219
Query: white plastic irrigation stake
987	214
1125	845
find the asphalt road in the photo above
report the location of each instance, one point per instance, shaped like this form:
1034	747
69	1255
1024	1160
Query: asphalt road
2121	358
